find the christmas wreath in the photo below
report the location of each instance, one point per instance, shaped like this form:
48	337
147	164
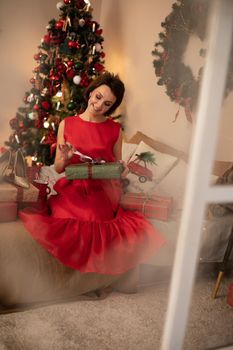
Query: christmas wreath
188	17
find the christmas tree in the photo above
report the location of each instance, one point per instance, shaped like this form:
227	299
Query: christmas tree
69	57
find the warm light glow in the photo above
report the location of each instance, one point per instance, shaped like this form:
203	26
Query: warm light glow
59	94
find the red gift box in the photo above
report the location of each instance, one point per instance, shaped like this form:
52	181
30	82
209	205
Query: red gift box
230	295
153	206
39	205
8	211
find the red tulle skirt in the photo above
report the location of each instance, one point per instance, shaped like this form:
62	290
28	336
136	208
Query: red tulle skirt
84	227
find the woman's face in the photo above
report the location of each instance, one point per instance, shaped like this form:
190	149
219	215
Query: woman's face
100	100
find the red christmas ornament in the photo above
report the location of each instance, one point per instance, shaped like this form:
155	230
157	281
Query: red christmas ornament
21	125
77	45
84	81
59	25
2	150
70	63
49	139
52	77
32	80
70	73
98	67
99	31
45	105
36	107
102	54
61	68
80	3
55	77
46	39
38	124
36	57
71	44
67	2
58	77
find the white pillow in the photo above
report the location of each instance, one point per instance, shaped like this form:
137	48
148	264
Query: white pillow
173	184
144	175
128	150
49	174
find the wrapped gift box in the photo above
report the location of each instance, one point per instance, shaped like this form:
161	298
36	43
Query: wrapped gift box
8	211
94	171
154	207
8	192
39	205
12	193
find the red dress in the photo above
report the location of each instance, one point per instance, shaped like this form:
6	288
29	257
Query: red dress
83	225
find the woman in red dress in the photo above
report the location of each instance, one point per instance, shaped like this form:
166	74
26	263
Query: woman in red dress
83	226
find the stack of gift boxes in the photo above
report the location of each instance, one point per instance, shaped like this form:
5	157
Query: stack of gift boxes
13	198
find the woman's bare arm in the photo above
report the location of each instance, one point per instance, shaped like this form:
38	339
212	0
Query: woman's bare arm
64	151
117	148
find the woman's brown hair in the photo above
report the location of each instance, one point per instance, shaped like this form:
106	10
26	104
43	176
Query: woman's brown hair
114	83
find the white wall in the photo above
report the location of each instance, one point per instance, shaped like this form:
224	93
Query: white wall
131	28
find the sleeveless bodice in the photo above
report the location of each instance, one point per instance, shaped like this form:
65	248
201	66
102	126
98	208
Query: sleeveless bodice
95	140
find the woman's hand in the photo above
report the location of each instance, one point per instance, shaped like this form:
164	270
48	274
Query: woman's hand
67	151
126	169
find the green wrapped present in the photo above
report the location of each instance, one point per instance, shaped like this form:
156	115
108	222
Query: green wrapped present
94	171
